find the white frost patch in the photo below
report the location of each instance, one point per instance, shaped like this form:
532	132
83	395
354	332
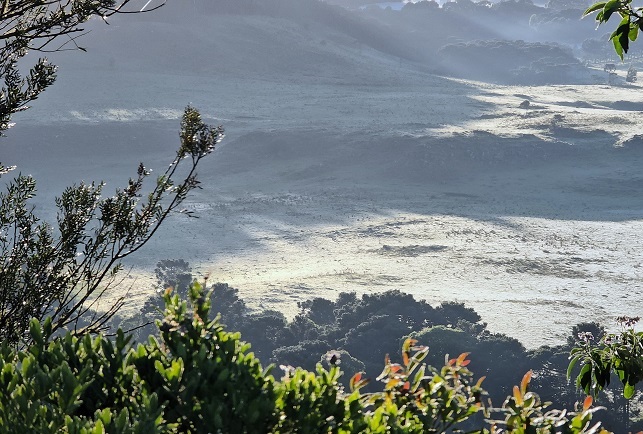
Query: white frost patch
134	115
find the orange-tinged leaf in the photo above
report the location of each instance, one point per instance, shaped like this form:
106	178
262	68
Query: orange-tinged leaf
465	363
462	357
395	368
479	383
525	381
406	386
587	403
517	395
451	362
405	358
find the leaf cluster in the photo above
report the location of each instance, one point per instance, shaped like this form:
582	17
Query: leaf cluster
525	413
628	28
420	398
614	353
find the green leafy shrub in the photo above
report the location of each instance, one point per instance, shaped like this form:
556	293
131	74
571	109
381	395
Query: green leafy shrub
618	353
81	385
525	413
314	402
419	398
204	374
197	377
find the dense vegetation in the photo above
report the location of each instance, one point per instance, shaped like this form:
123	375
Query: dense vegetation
362	330
197	377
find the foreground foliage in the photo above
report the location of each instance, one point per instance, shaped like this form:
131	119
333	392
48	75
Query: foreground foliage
628	27
362	329
197	377
614	353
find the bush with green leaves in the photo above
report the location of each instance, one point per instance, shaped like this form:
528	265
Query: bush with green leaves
197	377
204	375
420	398
74	384
314	402
524	412
613	353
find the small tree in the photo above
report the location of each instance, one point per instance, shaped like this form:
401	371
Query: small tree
618	353
63	272
601	357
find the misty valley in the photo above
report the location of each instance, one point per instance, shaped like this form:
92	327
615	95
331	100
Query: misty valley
464	173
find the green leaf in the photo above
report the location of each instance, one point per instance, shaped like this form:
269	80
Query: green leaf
35	331
175	370
583	381
594	8
99	428
26	363
623	27
628	391
634	32
609	8
572	364
603	376
618	47
624	36
105	416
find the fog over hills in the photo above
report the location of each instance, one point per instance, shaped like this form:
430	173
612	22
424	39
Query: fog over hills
366	150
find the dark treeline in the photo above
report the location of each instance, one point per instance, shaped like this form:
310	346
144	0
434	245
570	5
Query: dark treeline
362	330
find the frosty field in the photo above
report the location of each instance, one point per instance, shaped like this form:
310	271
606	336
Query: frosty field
368	176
